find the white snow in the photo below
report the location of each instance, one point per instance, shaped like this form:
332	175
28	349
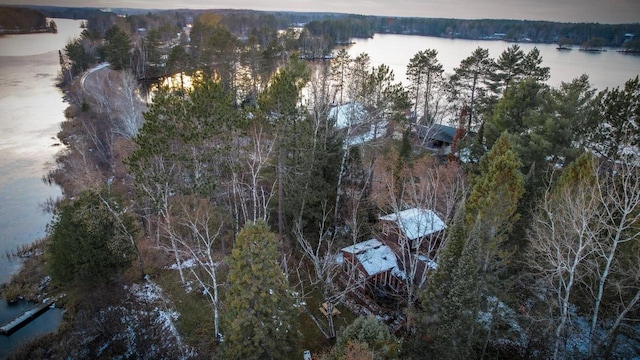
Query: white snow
165	317
187	264
375	257
362	246
378	260
375	132
416	222
353	116
348	115
431	265
147	292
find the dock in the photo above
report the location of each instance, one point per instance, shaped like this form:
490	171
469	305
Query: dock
21	320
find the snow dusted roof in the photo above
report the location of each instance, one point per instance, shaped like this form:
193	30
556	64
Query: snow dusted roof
362	246
375	257
416	223
346	115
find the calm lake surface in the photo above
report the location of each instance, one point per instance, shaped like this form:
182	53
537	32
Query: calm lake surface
31	110
605	69
43	324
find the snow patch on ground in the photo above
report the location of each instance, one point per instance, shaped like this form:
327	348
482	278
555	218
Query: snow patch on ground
187	264
163	318
148	292
504	313
578	339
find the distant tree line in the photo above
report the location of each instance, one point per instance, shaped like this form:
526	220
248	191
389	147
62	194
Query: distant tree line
340	28
512	30
344	28
21	20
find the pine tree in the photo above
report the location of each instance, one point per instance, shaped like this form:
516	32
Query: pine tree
260	315
369	331
615	129
117	48
451	298
88	245
471	79
455	336
493	201
423	72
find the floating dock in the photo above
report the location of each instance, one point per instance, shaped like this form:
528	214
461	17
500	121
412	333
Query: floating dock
26	317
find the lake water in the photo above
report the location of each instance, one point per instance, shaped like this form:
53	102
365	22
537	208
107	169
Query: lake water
32	109
43	324
605	69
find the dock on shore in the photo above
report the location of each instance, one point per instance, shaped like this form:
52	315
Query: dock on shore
21	320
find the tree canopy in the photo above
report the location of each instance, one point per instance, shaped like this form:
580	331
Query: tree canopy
260	312
87	243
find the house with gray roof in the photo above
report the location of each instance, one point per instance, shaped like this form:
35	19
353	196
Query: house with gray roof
436	138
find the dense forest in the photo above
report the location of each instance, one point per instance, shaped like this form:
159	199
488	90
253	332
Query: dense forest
23	20
262	205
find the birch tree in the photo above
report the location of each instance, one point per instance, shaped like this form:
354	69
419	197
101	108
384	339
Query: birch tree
197	232
561	239
616	252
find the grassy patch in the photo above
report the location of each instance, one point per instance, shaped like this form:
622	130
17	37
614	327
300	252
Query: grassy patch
28	283
312	337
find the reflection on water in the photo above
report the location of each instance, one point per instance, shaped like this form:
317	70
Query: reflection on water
32	109
178	81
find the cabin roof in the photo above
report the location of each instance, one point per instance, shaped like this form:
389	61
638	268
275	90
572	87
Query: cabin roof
362	246
375	257
349	114
416	222
437	132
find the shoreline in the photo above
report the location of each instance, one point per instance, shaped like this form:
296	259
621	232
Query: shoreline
25	32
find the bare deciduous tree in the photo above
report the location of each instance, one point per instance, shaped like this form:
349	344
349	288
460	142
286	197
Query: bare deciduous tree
585	235
561	239
197	232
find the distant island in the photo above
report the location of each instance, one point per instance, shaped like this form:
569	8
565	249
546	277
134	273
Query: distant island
24	21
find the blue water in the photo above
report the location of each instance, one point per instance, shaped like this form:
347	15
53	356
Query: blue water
46	323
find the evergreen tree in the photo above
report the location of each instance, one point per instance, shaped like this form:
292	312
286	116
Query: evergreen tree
532	66
615	128
117	49
260	312
371	332
494	199
451	298
455	337
423	72
472	81
80	59
88	245
279	106
508	67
